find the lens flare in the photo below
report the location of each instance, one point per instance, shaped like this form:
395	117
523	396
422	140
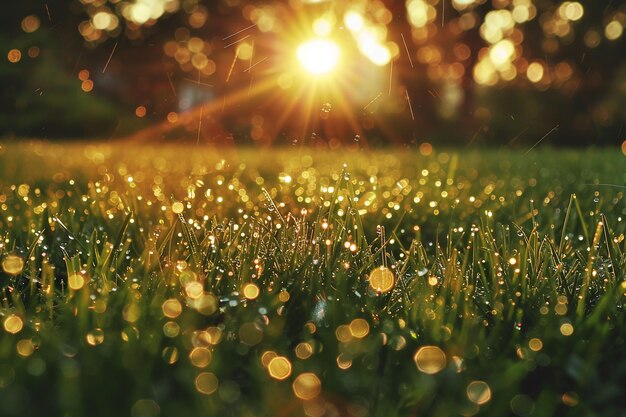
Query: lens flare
319	56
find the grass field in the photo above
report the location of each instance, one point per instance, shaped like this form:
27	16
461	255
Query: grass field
181	281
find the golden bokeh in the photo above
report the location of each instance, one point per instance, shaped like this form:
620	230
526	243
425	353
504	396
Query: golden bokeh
343	333
307	386
33	51
359	328
343	361
304	350
279	368
131	312
172	308
206	383
140	111
171	329
177	207
87	86
535	344
267	356
284	296
478	392
75	281
614	30
13	265
381	279
172	117
251	291
30	23
206	303
567	329
13	324
200	357
95	337
430	359
194	290
213	335
25	347
170	355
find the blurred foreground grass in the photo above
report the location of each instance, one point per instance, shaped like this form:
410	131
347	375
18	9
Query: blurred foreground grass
144	281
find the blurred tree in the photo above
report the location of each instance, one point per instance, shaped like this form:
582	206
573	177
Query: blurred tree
473	71
41	99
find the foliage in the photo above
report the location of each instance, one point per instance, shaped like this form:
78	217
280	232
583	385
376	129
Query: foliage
149	281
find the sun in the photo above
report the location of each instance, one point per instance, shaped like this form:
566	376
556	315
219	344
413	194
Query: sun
319	56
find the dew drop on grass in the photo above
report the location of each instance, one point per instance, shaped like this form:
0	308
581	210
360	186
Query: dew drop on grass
327	107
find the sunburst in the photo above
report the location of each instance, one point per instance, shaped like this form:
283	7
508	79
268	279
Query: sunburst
313	62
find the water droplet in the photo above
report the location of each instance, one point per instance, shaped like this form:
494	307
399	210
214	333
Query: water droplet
327	107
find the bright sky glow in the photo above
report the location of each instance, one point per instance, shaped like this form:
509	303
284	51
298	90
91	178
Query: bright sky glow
319	56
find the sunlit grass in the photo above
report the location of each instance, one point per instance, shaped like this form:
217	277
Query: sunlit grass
181	281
